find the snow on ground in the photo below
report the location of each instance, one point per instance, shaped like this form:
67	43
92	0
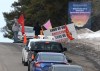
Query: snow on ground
88	35
90	38
87	44
2	39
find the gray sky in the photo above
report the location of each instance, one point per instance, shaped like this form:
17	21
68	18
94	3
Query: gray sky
5	6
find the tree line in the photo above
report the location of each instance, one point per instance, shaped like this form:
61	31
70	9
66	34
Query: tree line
38	11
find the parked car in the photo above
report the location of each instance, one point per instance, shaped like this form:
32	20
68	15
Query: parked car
65	68
44	60
28	31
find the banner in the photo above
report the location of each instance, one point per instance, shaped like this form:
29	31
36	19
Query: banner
60	33
80	12
48	25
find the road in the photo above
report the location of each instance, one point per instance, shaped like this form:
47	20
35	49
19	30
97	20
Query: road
10	59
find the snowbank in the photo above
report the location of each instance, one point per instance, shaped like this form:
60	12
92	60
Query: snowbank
88	34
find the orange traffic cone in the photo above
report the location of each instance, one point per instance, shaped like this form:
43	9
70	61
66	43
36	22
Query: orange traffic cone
25	39
32	57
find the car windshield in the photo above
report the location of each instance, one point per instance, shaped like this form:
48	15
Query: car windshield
52	58
46	46
67	69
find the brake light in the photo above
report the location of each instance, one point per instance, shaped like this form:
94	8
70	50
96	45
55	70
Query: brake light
32	57
37	64
47	42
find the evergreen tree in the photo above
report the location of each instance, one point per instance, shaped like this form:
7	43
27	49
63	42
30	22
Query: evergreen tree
40	11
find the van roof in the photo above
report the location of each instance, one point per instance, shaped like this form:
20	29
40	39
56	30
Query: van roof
36	40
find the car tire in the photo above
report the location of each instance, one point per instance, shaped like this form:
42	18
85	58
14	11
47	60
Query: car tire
25	63
31	67
22	61
28	65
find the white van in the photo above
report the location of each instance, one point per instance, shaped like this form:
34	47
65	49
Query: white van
65	68
28	31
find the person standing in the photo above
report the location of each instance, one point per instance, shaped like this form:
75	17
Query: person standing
15	29
37	29
41	31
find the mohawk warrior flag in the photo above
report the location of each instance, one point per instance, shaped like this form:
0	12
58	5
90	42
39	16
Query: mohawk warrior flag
80	13
21	22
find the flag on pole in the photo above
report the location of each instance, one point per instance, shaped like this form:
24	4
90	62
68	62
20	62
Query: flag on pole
47	25
69	35
21	22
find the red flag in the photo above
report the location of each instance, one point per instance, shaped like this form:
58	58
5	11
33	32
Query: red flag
21	21
69	35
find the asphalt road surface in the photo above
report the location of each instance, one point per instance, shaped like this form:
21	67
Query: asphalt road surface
10	59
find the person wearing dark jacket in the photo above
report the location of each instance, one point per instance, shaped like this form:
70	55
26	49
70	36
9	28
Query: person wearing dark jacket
37	29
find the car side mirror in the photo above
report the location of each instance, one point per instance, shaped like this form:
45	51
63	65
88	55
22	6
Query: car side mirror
64	49
69	61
